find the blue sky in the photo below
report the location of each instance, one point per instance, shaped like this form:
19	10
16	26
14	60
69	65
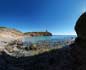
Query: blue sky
57	16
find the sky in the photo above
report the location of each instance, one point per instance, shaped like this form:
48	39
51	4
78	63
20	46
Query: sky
56	16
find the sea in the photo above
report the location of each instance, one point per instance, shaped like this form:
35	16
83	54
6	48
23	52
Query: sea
53	38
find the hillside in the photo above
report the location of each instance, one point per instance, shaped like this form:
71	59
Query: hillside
10	33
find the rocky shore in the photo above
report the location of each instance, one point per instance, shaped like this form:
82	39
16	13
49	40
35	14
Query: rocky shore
41	56
11	43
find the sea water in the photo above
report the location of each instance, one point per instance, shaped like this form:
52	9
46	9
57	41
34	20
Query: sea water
53	38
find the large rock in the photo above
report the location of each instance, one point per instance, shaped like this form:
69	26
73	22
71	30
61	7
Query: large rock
80	26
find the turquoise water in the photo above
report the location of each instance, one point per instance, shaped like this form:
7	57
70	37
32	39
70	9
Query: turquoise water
53	38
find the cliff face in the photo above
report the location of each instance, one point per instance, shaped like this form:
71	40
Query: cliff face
37	34
8	33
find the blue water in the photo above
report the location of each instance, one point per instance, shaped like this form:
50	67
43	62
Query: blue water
53	38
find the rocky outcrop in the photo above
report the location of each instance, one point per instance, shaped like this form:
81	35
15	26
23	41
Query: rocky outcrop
38	34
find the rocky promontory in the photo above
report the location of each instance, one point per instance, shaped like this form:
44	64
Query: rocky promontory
38	34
